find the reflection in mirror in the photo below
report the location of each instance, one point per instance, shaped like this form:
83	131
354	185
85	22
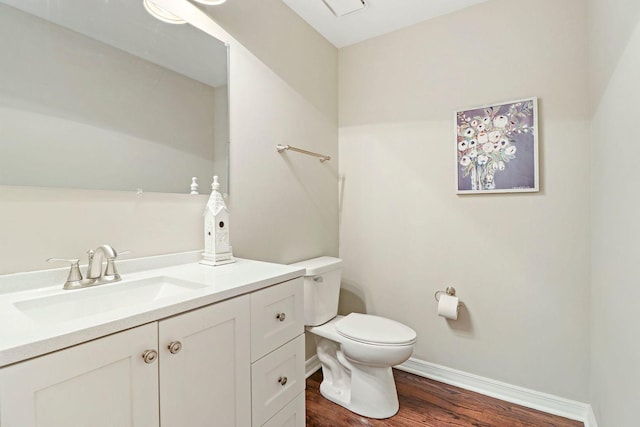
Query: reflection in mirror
101	95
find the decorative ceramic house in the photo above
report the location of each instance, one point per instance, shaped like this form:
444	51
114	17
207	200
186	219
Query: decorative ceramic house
217	247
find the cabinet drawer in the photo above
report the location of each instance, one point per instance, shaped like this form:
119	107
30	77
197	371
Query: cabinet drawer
292	415
276	379
276	317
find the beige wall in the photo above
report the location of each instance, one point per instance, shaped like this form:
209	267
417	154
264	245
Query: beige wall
611	24
288	45
520	262
615	318
284	207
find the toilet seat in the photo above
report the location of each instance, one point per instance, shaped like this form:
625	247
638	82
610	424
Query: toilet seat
375	330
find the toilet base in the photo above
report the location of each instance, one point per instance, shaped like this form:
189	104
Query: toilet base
382	390
367	391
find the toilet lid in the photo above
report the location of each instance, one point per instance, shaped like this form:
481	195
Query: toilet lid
374	330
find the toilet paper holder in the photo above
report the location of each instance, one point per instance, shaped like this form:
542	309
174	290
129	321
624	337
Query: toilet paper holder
450	290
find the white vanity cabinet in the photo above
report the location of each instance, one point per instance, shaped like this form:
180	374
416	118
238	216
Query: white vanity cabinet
102	383
196	362
238	362
277	355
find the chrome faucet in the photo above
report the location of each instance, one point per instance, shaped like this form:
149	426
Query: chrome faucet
110	273
95	274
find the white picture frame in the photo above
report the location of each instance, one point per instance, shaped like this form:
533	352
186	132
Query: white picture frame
496	148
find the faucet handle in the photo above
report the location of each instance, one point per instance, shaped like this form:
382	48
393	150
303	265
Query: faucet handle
110	272
75	276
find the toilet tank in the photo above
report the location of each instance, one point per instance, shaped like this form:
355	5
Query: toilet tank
321	289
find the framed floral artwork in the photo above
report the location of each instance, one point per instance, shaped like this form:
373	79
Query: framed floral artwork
497	148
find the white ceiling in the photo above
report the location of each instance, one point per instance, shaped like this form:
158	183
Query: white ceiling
379	17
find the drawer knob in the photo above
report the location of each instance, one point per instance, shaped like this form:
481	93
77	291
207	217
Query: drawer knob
282	381
281	316
149	356
175	347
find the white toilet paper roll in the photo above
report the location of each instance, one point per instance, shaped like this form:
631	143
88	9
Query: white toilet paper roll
448	306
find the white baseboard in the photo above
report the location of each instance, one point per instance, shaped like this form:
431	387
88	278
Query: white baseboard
519	395
591	418
311	365
510	393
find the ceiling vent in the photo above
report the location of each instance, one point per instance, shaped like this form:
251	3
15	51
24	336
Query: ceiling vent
344	7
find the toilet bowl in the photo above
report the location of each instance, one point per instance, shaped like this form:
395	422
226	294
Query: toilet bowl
356	351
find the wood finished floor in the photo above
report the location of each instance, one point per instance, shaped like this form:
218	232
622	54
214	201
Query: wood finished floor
425	402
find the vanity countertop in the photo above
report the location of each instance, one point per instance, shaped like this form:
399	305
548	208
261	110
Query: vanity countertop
23	337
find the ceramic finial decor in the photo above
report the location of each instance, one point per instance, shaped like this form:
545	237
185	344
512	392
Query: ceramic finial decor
194	185
217	246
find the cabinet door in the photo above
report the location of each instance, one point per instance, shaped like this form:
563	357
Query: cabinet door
206	380
102	383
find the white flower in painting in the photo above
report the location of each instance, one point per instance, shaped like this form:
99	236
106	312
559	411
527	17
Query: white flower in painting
473	154
494	136
501	165
465	160
463	145
487	148
482	160
500	121
472	143
474	123
468	132
504	142
494	166
496	147
486	120
481	127
482	137
511	150
489	178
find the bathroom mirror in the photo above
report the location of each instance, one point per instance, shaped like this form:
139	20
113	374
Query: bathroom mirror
101	95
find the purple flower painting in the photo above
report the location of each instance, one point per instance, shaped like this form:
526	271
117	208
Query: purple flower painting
497	148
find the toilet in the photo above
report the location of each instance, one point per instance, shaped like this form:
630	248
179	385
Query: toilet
356	351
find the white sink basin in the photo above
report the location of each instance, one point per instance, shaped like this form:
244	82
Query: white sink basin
76	304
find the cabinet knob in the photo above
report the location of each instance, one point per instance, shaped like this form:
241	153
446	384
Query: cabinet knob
281	316
282	381
175	347
149	356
